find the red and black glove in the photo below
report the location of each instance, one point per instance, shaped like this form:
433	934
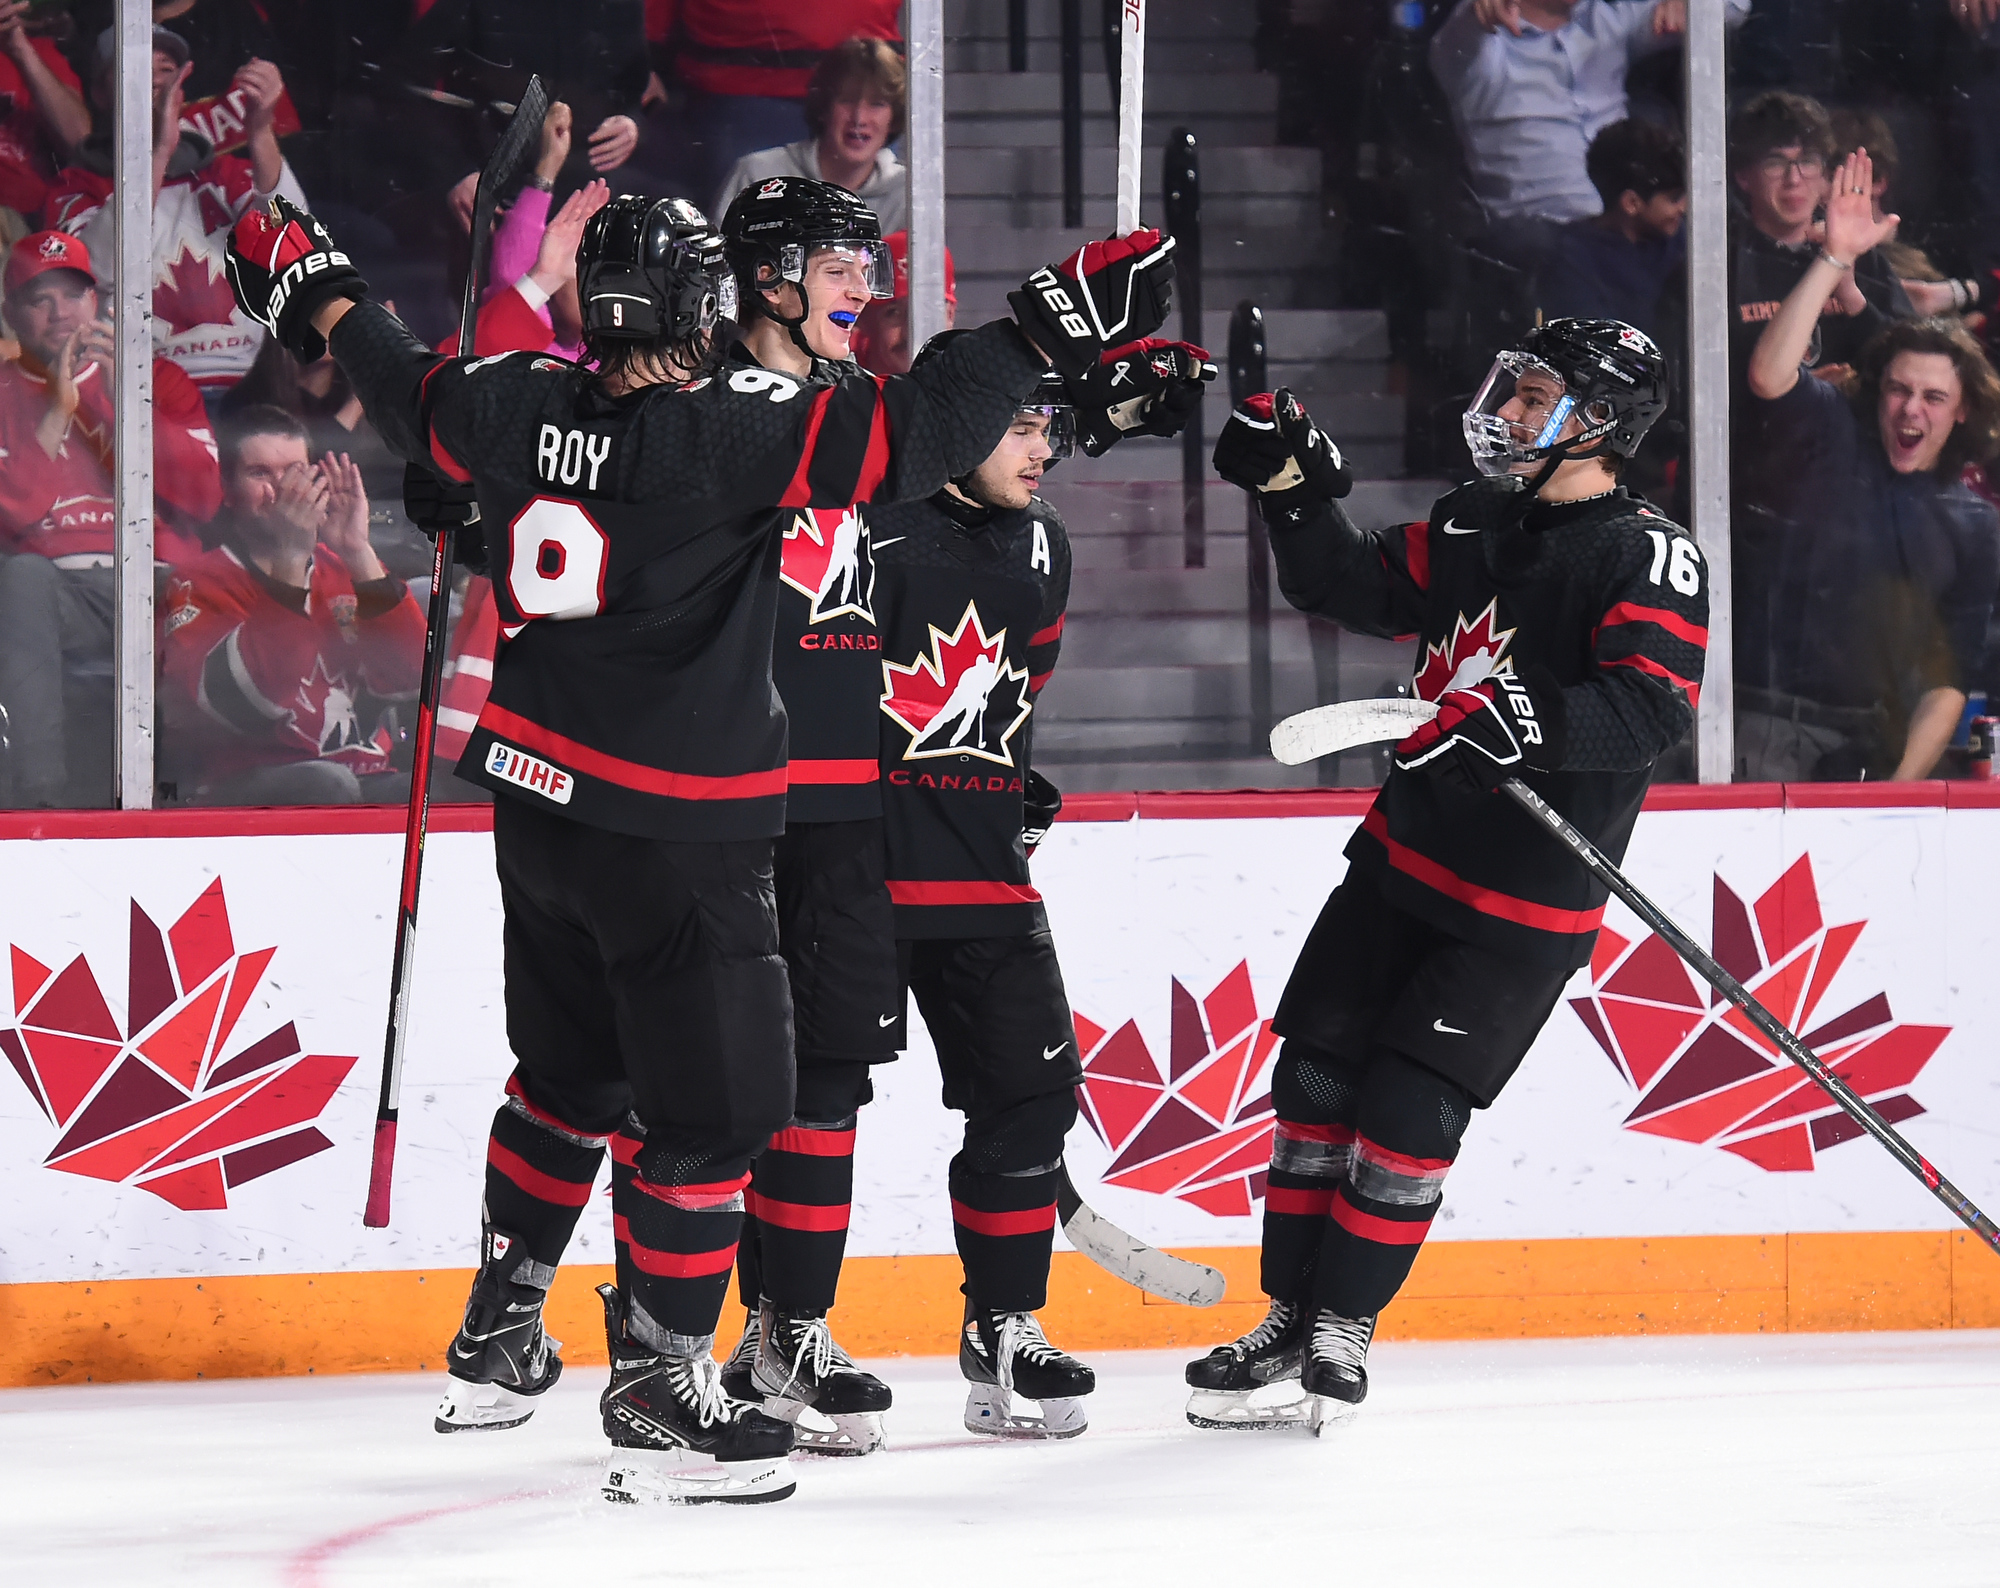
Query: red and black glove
1271	448
1484	735
1104	295
1149	387
282	266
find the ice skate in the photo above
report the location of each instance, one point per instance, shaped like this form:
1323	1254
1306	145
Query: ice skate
803	1376
666	1411
1004	1354
501	1359
736	1382
1254	1382
1336	1367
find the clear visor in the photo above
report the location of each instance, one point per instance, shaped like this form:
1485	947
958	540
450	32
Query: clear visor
1060	419
862	260
1518	415
704	257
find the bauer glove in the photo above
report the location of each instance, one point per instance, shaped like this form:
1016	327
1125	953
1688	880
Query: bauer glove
1149	387
1040	800
1271	448
1104	295
1484	735
283	266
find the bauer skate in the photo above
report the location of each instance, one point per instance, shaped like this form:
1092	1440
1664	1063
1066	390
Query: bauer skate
736	1382
501	1359
1004	1354
665	1410
1336	1367
803	1376
1254	1382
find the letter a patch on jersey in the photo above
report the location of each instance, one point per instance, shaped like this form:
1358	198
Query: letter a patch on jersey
828	560
962	698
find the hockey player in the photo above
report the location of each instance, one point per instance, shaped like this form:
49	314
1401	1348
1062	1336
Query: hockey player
1563	623
974	586
638	752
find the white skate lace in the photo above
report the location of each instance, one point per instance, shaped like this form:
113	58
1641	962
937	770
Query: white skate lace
746	1348
1020	1336
1343	1341
816	1340
702	1375
1276	1322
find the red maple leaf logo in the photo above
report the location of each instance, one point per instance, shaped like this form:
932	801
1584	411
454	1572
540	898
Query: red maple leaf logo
1469	655
194	291
963	697
158	1106
828	560
1202	1132
1705	1074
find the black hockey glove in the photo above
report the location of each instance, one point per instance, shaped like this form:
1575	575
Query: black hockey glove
1271	448
1104	295
282	266
433	503
1149	388
1484	735
1040	800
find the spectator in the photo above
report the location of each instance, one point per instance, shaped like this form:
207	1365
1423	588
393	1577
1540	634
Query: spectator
58	523
517	318
1888	574
218	33
881	340
42	114
1926	286
197	196
280	648
1616	266
855	108
525	258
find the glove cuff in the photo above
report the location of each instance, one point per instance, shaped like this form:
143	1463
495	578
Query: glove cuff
1543	731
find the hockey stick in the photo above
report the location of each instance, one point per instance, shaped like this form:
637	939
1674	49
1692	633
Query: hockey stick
1327	730
520	135
1698	959
1131	111
1131	1259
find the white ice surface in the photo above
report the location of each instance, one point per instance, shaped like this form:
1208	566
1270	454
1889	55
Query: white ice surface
1865	1459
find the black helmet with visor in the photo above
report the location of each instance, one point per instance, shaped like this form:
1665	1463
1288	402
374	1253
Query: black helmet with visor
1607	374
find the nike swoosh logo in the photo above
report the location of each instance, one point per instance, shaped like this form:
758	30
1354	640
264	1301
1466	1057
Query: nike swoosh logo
885	1020
1450	1031
893	540
1049	1053
1450	528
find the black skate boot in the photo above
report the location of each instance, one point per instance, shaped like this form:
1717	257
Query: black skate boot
802	1368
1336	1367
501	1359
1228	1381
736	1380
1004	1354
663	1408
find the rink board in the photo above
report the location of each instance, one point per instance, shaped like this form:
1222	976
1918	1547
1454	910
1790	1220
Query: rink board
247	1255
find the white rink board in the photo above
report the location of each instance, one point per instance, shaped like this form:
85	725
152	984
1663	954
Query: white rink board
1133	904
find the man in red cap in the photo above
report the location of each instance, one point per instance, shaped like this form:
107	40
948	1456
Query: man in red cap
58	522
882	335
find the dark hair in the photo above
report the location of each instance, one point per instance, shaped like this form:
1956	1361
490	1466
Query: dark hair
1976	438
1777	120
608	357
1863	129
1635	157
259	419
858	63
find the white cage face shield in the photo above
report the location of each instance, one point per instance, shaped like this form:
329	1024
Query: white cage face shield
1518	415
867	258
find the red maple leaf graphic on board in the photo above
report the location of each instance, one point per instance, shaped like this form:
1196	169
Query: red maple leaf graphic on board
1471	653
1202	1132
962	697
1705	1074
194	292
158	1106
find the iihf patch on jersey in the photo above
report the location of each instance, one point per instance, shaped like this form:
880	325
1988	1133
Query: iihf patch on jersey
828	560
1468	656
529	772
963	698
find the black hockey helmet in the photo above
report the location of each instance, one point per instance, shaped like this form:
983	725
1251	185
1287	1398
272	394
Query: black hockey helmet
1613	379
652	270
1050	398
782	221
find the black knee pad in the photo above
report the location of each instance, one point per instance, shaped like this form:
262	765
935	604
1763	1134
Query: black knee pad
830	1091
1314	1087
1413	1110
1025	1137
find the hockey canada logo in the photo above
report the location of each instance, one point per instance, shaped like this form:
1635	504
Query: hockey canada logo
962	698
1471	654
1201	1132
828	560
158	1105
1704	1074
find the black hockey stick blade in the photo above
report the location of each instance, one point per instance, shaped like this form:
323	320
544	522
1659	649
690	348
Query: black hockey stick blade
1704	965
1131	1259
521	134
1327	730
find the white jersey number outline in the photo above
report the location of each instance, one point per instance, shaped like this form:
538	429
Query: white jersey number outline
555	561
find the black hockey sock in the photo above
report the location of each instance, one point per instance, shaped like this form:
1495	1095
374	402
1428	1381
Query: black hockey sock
624	1166
678	1220
1005	1227
800	1191
538	1176
1307	1163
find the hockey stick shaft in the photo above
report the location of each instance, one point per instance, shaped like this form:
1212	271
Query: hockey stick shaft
521	131
1128	1258
1131	111
1705	966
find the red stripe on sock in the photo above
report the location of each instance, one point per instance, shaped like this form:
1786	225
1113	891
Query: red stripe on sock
814	1143
1025	1221
1312	1201
1387	1232
693	1198
798	1215
679	1265
564	1193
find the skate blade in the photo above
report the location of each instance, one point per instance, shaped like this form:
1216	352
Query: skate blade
1240	1409
666	1477
1329	1413
989	1411
818	1433
481	1408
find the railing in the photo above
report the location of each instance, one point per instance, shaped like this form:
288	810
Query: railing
1248	373
1072	112
1180	184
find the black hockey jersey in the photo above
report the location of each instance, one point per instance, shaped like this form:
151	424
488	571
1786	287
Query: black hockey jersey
635	550
1606	599
971	604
